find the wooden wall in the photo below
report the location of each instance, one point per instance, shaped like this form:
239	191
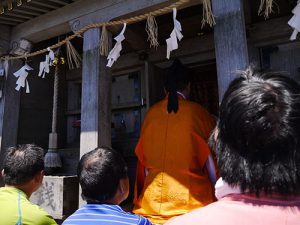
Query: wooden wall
36	107
287	58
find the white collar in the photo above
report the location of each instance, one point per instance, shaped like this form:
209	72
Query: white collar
181	94
222	189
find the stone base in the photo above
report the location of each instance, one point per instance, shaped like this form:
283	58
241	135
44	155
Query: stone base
58	195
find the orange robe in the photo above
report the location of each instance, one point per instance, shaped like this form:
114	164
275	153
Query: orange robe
173	148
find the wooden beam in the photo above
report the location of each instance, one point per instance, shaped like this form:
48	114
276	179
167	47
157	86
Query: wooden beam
123	9
95	105
4	40
230	41
9	112
89	137
38	29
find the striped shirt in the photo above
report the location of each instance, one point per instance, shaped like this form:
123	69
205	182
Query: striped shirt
102	214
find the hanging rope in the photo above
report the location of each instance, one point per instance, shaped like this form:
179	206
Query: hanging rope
19	2
73	57
52	157
55	98
152	31
9	4
1	7
266	8
99	25
208	16
104	42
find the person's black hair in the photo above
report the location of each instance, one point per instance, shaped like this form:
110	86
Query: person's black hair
176	79
99	173
22	163
257	140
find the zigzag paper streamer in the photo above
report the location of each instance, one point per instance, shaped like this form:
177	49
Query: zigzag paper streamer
294	22
22	74
114	54
45	65
172	43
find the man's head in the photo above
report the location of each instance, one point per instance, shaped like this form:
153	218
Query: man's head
103	176
23	164
176	79
257	139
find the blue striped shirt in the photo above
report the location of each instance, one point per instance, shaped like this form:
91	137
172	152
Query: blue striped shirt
103	214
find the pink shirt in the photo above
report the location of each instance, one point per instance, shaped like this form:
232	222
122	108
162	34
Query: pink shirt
243	209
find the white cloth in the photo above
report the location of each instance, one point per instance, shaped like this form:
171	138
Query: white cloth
172	43
114	54
22	74
294	22
222	189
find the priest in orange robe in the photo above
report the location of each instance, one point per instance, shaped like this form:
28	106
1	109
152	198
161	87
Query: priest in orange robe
176	171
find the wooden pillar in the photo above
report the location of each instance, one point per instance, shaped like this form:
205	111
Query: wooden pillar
230	41
96	92
9	111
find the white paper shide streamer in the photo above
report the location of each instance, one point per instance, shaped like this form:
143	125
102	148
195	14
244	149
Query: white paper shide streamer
114	54
294	22
22	74
172	42
45	65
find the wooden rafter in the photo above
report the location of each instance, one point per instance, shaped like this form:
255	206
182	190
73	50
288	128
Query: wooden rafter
23	10
43	4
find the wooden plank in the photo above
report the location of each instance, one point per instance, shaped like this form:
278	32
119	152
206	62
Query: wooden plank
58	2
89	137
8	23
46	5
4	40
230	41
96	88
105	103
34	8
274	31
11	19
134	39
18	15
5	33
27	12
9	112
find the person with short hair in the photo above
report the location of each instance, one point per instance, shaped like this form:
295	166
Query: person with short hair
257	143
23	174
176	171
104	182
